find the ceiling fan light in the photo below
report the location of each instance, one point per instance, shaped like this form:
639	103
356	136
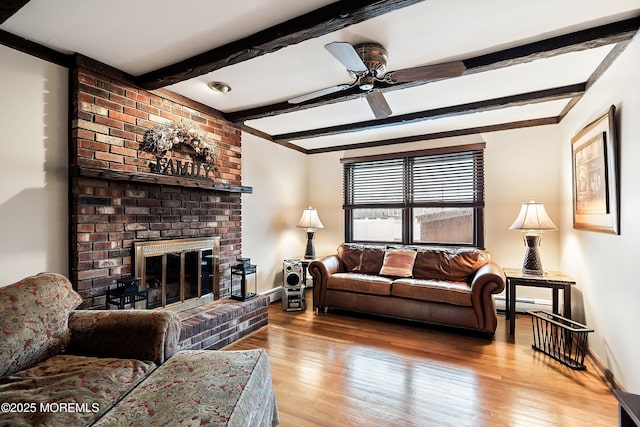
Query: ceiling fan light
221	87
366	82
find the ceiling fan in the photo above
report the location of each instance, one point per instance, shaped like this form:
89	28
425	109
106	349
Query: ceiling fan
367	64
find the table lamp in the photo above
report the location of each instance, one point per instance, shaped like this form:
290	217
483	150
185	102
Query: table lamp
310	221
532	220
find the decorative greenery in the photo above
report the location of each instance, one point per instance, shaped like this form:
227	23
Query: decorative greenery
164	137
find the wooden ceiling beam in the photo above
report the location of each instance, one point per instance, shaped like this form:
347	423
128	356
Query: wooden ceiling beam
438	135
599	71
35	49
319	22
267	137
616	32
8	8
589	38
455	110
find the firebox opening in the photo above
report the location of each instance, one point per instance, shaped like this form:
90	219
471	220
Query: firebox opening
179	273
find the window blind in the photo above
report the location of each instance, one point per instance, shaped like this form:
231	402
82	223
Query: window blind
444	179
379	182
451	179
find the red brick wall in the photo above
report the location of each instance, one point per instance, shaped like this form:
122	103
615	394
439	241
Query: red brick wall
109	116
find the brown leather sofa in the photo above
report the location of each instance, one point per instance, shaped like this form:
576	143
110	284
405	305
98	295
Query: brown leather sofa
447	286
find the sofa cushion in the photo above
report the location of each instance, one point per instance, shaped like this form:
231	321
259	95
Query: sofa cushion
361	283
457	293
33	320
350	254
359	258
463	263
371	259
449	264
202	387
94	384
431	263
398	262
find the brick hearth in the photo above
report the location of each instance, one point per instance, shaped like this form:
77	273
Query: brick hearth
214	325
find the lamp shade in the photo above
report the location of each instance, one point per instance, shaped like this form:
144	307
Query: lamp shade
310	219
532	216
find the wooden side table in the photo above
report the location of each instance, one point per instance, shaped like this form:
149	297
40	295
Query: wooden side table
554	280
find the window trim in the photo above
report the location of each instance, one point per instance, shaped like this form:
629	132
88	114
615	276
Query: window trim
407	211
416	153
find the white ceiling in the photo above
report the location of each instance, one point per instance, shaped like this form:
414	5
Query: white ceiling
143	35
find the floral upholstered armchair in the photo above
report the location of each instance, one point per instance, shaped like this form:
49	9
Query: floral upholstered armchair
59	366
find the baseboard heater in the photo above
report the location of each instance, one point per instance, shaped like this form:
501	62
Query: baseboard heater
274	294
523	304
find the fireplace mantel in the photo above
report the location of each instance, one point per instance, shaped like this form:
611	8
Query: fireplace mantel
154	178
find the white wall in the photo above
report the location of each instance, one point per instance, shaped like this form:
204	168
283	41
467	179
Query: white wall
33	175
604	264
270	214
521	164
325	194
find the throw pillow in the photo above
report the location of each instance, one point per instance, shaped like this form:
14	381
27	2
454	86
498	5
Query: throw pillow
398	262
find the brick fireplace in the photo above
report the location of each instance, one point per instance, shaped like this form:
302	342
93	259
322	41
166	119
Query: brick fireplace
117	199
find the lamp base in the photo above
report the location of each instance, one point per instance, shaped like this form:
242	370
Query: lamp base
532	263
310	251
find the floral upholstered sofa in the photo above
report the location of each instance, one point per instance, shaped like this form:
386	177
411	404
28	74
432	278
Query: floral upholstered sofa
61	366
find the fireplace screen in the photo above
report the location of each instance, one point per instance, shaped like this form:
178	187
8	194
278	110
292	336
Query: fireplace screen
178	271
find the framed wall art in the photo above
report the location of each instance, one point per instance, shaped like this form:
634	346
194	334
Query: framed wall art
595	176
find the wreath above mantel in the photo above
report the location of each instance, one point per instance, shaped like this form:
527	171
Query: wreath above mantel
166	136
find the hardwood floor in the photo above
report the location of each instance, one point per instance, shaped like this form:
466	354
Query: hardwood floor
340	369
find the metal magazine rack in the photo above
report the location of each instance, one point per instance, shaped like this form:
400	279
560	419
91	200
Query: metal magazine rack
560	338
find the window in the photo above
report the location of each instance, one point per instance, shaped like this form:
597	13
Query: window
428	197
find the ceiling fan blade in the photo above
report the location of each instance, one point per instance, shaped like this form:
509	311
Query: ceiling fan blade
378	104
426	72
347	55
318	93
